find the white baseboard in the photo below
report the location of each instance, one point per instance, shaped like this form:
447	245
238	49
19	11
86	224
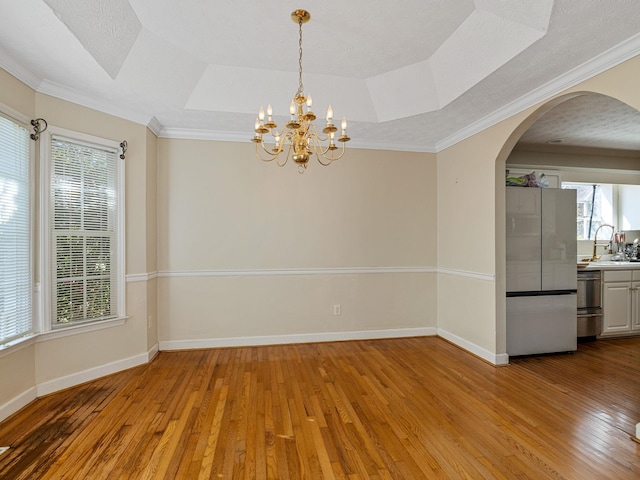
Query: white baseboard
298	338
151	354
15	404
495	359
78	378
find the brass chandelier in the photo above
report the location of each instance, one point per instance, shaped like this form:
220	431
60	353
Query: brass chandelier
301	139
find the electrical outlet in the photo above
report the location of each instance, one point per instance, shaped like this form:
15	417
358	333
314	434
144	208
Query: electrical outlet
3	449
337	309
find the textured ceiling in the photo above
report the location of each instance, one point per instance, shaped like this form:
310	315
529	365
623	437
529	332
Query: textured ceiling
416	75
588	121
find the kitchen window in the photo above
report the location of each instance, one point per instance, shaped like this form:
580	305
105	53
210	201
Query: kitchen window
595	207
600	203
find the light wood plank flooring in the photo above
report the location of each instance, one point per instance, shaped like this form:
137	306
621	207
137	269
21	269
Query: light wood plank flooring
384	409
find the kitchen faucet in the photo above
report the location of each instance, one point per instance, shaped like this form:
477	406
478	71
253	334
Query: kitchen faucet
595	257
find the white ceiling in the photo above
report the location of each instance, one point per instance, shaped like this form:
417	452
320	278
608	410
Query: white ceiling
413	75
594	121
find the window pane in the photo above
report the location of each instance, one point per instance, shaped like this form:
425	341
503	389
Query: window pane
84	185
15	250
594	207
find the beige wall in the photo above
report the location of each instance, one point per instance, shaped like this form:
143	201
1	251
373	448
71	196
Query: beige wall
230	224
466	240
17	95
151	222
17	379
222	208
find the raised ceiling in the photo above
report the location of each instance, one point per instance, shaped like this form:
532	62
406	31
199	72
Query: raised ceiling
416	75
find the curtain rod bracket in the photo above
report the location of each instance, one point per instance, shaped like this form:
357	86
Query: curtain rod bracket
123	146
37	130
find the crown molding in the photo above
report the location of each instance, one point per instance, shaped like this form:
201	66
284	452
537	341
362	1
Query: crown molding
200	134
155	126
394	147
606	60
244	137
18	71
72	95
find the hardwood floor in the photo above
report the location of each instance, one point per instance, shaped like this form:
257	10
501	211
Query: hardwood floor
400	408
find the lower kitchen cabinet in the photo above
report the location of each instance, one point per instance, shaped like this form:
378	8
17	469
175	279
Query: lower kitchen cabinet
621	303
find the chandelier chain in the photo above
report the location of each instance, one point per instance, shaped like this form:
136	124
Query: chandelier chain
300	86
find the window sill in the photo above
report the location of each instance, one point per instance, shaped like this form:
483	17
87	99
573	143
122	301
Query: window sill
29	340
62	332
18	344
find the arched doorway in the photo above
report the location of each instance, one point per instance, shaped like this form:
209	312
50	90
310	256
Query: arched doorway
583	120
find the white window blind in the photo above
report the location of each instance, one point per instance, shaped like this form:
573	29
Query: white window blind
84	232
15	244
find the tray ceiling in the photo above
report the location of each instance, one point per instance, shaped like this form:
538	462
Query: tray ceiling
415	75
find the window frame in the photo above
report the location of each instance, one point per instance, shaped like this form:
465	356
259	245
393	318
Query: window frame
46	255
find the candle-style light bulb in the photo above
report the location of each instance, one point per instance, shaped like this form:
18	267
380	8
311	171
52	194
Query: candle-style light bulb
269	111
261	114
257	124
344	124
329	114
292	109
309	101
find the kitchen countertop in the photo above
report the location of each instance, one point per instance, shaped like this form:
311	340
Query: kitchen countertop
609	265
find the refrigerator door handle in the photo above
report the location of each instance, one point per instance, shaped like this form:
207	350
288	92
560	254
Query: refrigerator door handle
538	293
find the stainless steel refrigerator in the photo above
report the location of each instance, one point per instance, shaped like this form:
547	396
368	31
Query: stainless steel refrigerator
541	270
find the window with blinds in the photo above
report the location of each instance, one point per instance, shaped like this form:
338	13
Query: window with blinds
84	232
15	235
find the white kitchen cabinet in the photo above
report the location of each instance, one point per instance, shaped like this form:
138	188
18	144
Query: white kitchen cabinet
635	307
621	303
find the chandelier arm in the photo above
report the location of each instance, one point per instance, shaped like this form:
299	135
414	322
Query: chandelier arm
325	152
342	150
331	158
269	151
269	158
320	136
273	155
319	152
286	158
275	151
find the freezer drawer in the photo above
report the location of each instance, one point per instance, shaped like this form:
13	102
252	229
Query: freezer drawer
589	322
541	324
